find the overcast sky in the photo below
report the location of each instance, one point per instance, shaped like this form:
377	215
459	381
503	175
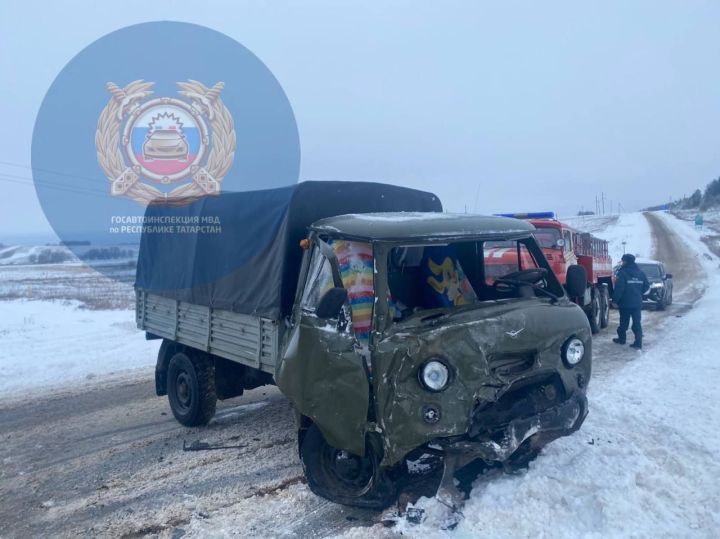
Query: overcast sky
518	107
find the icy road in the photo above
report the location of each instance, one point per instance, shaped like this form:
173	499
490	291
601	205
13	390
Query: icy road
106	458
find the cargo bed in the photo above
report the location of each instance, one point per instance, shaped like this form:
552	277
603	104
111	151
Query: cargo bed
250	340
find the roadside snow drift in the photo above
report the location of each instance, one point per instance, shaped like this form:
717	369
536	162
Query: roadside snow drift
50	343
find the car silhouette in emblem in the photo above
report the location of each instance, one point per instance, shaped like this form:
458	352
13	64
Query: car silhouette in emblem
165	144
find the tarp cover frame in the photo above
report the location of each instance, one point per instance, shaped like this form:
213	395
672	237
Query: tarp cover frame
251	266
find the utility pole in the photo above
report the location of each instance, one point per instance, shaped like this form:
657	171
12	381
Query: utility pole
603	202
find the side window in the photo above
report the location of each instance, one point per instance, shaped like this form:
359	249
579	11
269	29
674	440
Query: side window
567	238
319	280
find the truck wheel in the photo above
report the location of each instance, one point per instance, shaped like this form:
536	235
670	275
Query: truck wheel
342	477
191	388
604	307
593	313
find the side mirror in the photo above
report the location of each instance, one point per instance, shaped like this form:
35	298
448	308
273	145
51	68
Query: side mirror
668	275
331	302
576	281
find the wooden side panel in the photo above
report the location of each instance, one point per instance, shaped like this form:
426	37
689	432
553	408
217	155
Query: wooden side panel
250	340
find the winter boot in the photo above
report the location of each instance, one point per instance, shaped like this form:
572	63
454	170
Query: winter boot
636	345
618	340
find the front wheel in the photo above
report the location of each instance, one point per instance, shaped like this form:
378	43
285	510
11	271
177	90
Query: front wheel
191	388
660	305
342	477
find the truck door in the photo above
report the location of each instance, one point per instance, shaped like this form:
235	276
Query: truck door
321	371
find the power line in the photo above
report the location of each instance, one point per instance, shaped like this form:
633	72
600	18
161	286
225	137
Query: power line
66	188
55	172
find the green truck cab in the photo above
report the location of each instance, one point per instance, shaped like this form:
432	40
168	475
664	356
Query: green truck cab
374	314
484	370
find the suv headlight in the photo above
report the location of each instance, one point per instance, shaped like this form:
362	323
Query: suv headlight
434	375
656	285
573	351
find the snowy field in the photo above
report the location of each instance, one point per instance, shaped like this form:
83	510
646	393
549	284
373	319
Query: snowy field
52	343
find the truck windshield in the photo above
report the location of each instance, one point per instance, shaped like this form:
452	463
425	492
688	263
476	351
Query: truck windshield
454	275
547	237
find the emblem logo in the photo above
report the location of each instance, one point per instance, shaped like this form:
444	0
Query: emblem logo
514	334
165	141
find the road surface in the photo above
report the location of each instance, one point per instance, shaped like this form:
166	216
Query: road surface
109	460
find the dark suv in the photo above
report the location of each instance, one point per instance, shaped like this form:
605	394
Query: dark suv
661	284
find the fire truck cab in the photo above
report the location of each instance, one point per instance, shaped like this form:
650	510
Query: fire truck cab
564	246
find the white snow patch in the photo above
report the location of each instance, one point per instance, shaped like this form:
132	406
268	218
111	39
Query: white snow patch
51	343
634	230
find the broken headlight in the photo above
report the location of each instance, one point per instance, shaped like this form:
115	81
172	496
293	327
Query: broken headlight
434	375
573	351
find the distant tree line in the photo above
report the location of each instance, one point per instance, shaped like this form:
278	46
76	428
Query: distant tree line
107	253
700	200
49	256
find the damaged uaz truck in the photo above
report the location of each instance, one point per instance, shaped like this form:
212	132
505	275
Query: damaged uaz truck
372	312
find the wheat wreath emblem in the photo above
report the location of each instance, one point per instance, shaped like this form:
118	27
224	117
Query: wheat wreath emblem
205	103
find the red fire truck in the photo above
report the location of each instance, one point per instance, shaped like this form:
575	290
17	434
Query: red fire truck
563	246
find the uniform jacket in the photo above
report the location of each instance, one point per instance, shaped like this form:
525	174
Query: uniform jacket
630	286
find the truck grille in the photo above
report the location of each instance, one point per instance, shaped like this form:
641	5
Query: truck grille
523	399
511	364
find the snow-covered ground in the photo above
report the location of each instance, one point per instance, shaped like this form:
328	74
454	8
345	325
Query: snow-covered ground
52	343
634	231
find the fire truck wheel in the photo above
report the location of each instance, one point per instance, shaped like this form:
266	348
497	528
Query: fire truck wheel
191	388
594	312
604	307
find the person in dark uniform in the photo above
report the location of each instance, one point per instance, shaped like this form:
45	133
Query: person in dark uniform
630	285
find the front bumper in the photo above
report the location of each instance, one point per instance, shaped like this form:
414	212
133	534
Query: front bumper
498	446
545	426
654	295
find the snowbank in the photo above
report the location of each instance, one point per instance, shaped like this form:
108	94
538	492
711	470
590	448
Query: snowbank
645	462
634	230
50	343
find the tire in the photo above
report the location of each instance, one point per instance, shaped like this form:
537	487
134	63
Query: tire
660	305
344	478
670	298
191	388
594	313
604	307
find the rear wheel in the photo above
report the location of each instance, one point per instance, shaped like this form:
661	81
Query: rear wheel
594	312
342	477
191	388
604	307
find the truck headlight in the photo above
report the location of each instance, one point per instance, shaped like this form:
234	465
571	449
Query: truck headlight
656	285
434	375
573	351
